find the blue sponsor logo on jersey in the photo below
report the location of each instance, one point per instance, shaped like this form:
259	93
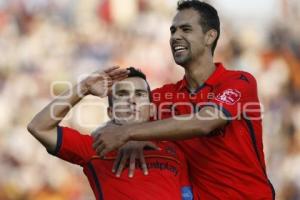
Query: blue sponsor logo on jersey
186	193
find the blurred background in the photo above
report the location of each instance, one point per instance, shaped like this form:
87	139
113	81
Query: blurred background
45	45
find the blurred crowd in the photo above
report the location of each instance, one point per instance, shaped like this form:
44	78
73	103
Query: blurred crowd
48	45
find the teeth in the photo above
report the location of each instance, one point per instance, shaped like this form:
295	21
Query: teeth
179	48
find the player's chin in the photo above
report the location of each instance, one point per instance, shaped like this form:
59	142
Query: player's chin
181	61
138	120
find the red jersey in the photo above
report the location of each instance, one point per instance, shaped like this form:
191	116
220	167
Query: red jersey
167	179
229	162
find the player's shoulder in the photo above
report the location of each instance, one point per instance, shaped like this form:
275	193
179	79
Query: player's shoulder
73	134
169	87
238	76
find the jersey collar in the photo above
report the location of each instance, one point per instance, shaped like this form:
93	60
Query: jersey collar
183	84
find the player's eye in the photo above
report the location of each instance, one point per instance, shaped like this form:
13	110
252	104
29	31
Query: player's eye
122	94
141	94
172	30
186	30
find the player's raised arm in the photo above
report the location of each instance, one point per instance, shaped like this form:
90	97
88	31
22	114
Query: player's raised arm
43	126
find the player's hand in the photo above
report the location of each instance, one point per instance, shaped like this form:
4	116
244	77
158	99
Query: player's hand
100	82
109	138
134	152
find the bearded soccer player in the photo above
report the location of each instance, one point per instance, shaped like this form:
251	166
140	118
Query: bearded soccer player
213	113
129	104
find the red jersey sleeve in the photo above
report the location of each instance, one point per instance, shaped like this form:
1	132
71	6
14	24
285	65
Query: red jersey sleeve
237	96
72	146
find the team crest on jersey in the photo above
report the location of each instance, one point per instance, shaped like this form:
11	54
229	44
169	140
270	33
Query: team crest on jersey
229	96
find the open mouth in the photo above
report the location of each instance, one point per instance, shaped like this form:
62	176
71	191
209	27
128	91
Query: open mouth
177	49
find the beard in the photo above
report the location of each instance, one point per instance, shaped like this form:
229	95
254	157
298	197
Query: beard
182	58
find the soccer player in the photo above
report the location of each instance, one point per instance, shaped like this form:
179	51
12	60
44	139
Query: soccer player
129	104
214	113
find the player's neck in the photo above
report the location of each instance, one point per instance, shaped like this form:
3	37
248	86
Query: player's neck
199	71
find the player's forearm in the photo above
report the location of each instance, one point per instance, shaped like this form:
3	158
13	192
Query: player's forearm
181	127
168	129
50	116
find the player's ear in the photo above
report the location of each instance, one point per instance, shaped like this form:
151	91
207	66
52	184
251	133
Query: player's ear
109	112
210	36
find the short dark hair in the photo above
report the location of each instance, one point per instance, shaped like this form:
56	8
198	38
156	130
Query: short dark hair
133	72
209	16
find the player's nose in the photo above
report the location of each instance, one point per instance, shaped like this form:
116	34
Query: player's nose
132	99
